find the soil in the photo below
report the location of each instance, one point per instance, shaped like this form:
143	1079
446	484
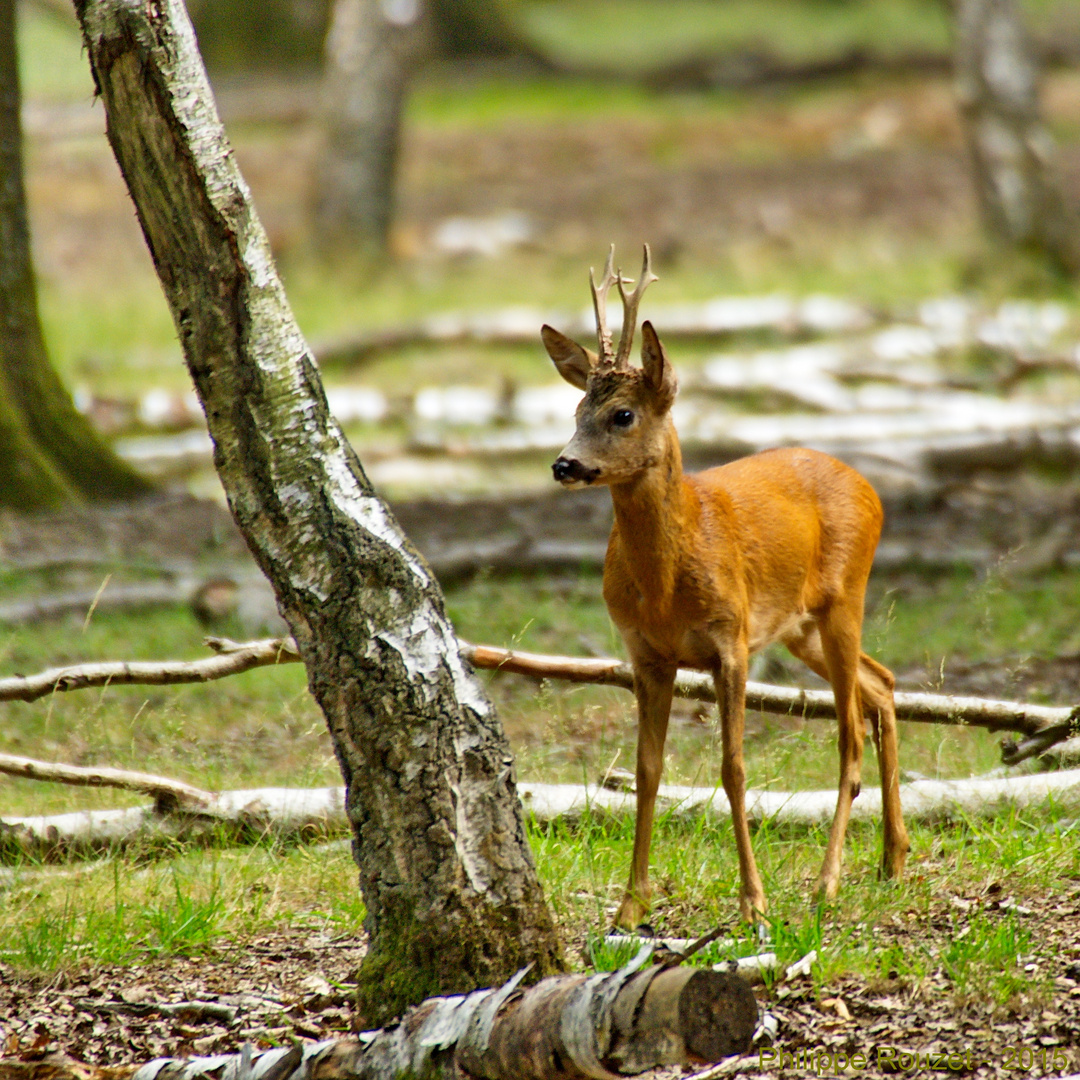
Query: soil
296	987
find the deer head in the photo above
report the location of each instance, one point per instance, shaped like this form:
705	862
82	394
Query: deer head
623	421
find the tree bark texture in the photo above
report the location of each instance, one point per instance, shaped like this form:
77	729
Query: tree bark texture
372	49
451	890
49	453
1012	152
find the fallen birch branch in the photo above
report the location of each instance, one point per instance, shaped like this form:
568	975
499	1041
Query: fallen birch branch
721	317
922	800
232	659
1042	725
242	815
237	816
567	1026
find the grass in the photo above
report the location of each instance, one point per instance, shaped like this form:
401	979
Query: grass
634	38
911	933
263	728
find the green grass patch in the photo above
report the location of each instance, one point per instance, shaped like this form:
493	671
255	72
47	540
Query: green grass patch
959	924
126	910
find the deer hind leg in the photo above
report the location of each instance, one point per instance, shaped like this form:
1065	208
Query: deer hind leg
876	684
832	651
653	685
730	681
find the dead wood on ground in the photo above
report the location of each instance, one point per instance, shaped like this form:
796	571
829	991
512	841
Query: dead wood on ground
567	1026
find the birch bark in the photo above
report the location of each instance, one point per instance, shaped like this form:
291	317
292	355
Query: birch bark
1012	152
451	890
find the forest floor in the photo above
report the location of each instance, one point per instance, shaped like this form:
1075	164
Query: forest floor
290	986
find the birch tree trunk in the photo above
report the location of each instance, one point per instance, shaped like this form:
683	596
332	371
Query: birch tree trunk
372	49
1012	153
49	453
452	894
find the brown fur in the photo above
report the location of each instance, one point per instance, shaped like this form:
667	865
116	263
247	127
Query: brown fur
702	570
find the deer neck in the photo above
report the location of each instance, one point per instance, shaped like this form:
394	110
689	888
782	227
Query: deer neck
653	514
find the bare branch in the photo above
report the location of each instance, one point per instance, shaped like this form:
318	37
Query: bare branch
1042	725
152	673
168	794
1029	720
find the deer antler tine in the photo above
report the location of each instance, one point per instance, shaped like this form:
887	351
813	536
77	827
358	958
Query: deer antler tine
630	308
599	295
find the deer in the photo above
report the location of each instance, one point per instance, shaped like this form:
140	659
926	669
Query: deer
702	570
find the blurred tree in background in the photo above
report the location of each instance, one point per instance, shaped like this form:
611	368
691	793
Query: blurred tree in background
49	453
373	48
371	53
1013	156
235	34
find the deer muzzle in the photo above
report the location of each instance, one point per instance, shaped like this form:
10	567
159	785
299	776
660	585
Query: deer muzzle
569	471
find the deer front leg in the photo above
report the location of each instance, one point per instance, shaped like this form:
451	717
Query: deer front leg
653	683
730	682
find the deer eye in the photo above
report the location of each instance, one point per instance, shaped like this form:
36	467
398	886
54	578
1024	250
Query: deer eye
623	418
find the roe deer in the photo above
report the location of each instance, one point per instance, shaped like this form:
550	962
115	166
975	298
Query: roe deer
702	570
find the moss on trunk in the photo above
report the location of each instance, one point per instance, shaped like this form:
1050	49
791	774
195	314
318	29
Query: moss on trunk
49	453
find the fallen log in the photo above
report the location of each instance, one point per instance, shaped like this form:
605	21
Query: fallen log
719	318
922	800
565	1027
241	816
226	816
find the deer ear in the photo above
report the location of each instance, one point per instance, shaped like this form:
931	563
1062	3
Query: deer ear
657	366
571	361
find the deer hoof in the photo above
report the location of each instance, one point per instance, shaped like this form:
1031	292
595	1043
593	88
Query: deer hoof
631	913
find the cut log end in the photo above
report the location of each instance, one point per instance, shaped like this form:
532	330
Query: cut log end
717	1015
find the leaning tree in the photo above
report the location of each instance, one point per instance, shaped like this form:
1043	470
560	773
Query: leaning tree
49	453
447	876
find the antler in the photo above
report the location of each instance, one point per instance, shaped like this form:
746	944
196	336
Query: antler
599	298
630	309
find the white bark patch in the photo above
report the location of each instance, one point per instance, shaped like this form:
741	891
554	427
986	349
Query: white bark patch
463	833
368	511
424	646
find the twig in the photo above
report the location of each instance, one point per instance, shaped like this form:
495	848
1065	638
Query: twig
680	957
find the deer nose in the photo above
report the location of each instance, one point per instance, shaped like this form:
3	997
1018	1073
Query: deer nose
565	469
568	470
